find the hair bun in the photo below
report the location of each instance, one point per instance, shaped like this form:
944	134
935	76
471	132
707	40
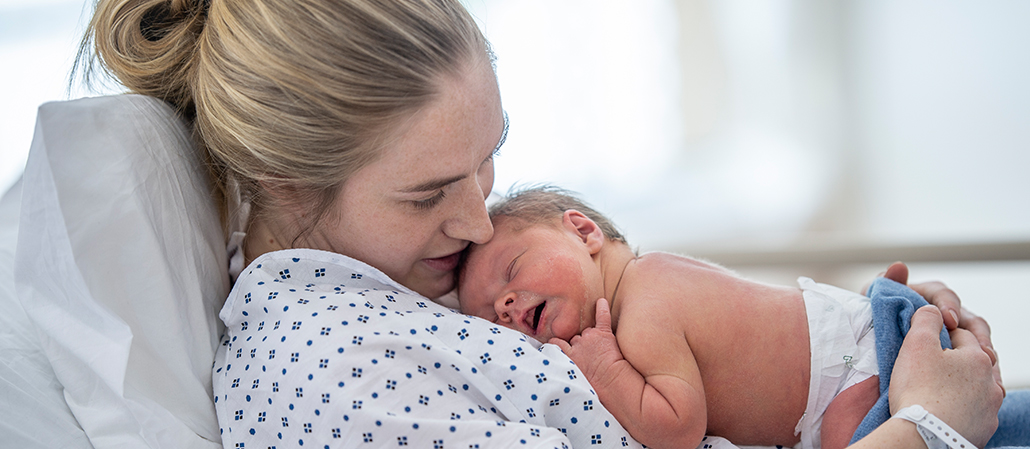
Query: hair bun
147	45
163	17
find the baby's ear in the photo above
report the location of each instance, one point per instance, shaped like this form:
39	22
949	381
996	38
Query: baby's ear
585	229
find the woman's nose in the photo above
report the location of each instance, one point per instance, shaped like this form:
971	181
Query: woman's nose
472	221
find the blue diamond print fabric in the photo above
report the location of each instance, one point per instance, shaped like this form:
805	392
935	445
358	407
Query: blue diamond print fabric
323	351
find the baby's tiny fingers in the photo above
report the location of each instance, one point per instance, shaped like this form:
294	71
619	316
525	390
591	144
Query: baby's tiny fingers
561	344
603	315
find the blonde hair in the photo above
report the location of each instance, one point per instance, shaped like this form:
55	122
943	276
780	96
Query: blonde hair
545	204
297	94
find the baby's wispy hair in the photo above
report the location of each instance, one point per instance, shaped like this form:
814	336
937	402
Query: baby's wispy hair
543	204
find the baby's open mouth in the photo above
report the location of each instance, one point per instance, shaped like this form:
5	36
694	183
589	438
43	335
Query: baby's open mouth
536	316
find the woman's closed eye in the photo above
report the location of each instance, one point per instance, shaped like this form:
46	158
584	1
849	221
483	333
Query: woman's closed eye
430	202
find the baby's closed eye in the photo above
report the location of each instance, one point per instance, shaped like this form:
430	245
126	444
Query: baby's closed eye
511	267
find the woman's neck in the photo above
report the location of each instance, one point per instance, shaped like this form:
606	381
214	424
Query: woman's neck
260	239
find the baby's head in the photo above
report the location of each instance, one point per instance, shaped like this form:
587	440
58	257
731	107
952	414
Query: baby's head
539	273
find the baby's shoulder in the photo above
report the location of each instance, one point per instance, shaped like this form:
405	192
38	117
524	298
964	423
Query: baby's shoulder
654	276
664	279
651	296
658	265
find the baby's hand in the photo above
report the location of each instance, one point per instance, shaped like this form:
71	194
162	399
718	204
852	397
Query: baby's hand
595	351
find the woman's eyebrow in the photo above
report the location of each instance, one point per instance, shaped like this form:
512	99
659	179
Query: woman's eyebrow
433	184
440	183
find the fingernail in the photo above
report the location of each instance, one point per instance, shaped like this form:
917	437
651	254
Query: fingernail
954	316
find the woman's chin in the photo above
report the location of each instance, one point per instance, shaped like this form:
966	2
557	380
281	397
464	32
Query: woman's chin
432	287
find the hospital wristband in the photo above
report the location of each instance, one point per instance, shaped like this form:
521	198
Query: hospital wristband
936	434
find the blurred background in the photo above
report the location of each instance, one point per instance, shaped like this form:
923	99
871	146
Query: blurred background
777	137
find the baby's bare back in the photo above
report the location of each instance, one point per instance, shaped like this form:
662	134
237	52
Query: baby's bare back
749	341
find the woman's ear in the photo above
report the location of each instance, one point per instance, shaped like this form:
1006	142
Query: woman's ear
585	229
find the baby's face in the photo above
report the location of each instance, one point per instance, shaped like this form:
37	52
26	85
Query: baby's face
541	281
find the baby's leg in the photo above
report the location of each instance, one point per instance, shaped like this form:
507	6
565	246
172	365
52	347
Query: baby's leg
846	412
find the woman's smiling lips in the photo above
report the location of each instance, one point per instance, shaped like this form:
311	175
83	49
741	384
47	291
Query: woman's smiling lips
445	263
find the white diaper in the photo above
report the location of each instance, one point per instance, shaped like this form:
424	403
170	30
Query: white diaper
840	329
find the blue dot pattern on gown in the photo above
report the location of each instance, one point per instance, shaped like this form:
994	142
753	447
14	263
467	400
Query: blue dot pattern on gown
324	351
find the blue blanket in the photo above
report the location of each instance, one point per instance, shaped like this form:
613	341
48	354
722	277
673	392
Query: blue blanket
893	305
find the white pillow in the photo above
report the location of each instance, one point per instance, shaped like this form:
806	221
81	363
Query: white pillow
34	414
121	266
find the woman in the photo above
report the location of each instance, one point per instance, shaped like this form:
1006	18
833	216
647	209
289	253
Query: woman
363	132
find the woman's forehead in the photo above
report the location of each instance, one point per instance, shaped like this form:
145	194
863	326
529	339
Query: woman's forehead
449	138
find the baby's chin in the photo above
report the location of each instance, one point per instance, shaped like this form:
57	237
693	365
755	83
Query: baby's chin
549	340
563	335
546	335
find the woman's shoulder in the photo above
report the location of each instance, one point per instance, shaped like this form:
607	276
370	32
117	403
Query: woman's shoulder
311	272
303	265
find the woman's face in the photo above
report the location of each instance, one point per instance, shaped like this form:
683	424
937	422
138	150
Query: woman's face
411	212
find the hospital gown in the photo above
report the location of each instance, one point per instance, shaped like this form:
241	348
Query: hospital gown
325	351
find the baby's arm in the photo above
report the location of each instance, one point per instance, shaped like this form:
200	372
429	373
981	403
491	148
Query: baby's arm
661	409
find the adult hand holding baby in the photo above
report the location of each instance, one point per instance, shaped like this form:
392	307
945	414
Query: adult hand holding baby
955	316
955	385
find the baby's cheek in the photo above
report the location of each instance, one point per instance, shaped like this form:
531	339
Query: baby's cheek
578	298
562	273
568	322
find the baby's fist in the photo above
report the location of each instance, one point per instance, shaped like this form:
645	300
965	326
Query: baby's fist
596	349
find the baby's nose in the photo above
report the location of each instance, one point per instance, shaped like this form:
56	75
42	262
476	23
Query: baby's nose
504	306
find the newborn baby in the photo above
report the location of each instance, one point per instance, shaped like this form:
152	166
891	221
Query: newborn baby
675	347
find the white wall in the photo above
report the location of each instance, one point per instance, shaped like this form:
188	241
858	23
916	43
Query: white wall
942	107
38	40
769	120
